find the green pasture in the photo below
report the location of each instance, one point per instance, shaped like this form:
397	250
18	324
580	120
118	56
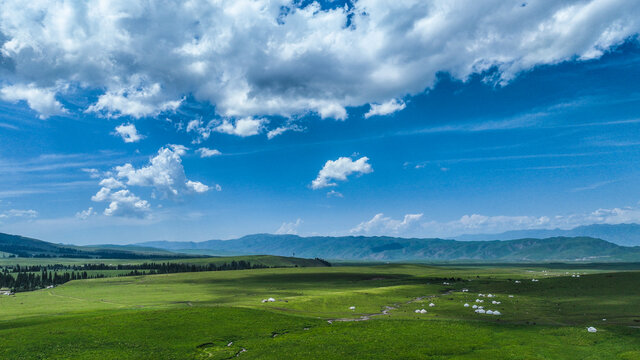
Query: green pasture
215	315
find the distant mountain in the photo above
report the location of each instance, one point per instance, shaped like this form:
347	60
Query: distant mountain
28	247
621	234
384	248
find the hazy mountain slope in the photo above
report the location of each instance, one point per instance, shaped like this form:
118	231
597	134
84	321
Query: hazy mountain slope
28	247
390	248
621	234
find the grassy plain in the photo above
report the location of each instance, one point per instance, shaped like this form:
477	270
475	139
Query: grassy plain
215	315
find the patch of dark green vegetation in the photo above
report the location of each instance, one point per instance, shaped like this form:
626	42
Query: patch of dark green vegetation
33	277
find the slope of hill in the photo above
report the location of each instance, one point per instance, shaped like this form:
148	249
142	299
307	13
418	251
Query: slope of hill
621	234
28	247
400	249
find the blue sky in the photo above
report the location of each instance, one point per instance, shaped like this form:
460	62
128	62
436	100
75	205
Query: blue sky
441	142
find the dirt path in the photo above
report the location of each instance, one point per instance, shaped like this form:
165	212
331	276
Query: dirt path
386	309
85	300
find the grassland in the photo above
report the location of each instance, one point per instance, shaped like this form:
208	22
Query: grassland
215	315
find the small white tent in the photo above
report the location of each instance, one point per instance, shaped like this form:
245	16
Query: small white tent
591	329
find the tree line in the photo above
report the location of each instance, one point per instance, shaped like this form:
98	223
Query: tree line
27	281
26	278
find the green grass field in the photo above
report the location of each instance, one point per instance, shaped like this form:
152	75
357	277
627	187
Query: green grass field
220	315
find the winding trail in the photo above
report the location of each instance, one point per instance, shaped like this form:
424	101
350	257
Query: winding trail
386	309
85	300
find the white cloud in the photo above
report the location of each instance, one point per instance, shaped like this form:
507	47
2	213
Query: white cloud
85	214
476	223
123	203
334	193
385	108
197	186
93	173
15	213
134	100
339	170
203	132
381	225
111	183
42	100
290	228
165	173
282	129
243	127
206	152
249	58
484	224
129	133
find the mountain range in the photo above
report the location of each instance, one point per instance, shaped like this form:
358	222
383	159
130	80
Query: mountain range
361	248
27	247
383	248
621	234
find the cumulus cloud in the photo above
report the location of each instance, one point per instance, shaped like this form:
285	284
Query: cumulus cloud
128	133
290	228
42	100
385	108
339	170
164	173
415	225
111	183
196	186
202	131
477	223
133	101
85	214
206	152
334	193
285	57
122	203
242	127
16	213
383	225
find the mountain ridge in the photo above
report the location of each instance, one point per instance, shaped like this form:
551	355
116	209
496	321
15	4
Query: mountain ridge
28	247
385	248
626	234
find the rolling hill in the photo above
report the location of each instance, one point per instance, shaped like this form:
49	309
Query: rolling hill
401	249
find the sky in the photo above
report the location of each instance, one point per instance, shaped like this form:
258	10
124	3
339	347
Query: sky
123	122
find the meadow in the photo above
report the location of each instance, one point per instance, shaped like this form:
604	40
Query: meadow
221	315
